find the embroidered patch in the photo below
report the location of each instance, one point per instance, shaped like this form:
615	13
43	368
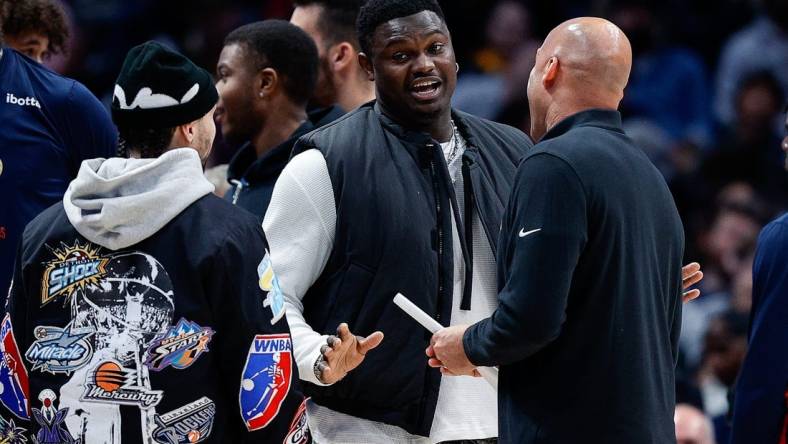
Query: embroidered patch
10	433
112	383
268	283
13	374
60	350
299	429
73	268
179	347
265	380
189	424
51	420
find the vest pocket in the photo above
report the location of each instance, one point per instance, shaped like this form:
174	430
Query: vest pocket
347	301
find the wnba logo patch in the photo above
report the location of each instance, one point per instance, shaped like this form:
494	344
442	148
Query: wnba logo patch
265	379
13	374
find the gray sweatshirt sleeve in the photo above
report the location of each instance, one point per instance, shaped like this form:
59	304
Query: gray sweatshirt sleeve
299	227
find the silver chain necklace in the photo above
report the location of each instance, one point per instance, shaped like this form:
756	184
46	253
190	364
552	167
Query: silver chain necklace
454	144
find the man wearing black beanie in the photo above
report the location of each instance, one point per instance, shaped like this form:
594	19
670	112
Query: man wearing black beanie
136	312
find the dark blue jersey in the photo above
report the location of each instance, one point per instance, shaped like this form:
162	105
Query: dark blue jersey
760	406
48	125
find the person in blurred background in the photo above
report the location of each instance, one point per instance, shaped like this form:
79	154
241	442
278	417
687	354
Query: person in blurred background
50	124
341	80
725	345
265	76
692	426
748	149
760	412
760	46
726	248
35	28
495	78
669	84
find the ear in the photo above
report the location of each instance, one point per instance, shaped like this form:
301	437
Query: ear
342	56
366	65
267	82
184	135
550	73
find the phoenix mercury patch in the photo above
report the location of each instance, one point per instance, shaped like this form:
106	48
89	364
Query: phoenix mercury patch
265	381
72	268
112	383
183	343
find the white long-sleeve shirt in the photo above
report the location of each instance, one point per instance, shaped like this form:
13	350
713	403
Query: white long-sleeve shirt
300	226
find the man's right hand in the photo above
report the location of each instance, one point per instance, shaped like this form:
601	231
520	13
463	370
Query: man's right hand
344	352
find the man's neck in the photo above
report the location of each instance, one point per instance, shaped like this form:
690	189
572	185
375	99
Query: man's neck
439	127
354	93
557	113
278	128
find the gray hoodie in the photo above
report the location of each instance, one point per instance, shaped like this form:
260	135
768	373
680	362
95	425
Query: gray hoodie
119	202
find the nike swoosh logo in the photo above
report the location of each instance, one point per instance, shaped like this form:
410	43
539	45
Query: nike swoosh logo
524	233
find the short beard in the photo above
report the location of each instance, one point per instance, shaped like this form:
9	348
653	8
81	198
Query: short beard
325	94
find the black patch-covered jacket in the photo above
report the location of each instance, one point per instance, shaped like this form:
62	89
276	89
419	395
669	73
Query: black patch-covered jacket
170	341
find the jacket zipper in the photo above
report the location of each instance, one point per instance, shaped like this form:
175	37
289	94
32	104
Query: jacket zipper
239	185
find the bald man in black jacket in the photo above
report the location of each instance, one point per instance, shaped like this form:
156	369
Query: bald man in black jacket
589	264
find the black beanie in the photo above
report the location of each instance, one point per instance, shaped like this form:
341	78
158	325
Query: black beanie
160	88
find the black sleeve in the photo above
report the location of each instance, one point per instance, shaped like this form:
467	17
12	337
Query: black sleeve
543	236
247	330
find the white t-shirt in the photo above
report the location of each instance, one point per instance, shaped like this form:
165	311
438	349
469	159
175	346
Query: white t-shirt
300	226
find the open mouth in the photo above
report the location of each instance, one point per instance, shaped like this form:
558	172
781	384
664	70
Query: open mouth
426	89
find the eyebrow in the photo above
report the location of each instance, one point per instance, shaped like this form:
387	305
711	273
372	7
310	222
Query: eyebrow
401	39
32	41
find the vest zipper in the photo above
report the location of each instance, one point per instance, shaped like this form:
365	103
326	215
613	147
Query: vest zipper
439	214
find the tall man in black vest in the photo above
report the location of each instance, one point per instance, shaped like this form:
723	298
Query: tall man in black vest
586	332
402	195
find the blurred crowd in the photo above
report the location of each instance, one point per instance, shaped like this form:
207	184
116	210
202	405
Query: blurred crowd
705	101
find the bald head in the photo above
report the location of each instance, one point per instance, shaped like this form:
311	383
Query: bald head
591	51
583	63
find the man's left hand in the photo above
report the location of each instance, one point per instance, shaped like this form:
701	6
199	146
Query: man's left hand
690	275
447	352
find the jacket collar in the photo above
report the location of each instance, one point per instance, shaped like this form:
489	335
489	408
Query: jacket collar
601	118
246	165
418	139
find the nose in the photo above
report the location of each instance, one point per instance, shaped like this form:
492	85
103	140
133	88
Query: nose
424	64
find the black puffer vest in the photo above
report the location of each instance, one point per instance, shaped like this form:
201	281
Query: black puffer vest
393	198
